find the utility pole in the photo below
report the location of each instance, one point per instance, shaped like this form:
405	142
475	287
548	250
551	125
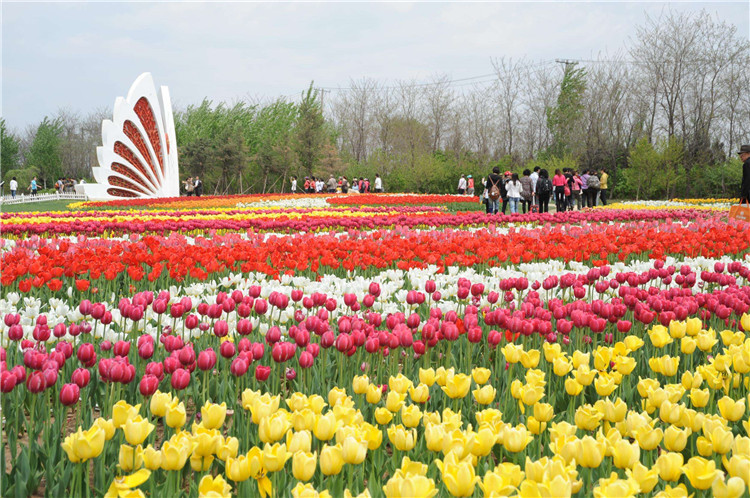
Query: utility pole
322	100
567	63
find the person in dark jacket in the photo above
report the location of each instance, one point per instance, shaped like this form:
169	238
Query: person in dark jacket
494	180
744	154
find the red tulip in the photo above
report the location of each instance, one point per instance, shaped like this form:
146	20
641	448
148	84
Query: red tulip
149	384
180	379
206	359
81	377
262	373
69	394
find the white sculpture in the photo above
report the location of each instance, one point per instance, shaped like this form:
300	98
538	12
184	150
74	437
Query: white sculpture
138	156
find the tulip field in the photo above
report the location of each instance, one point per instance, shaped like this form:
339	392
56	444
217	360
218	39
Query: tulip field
374	345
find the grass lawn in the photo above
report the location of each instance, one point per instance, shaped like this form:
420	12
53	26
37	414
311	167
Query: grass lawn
45	206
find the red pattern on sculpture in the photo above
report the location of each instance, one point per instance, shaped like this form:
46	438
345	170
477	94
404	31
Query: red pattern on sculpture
125	171
134	134
146	114
117	192
123	151
121	182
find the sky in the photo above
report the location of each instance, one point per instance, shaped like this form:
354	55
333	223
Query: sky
81	55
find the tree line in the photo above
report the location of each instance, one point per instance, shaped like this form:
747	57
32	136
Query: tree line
664	115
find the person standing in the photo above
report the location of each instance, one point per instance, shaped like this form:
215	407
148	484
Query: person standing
527	192
603	188
294	185
378	184
544	190
198	186
534	179
462	185
493	187
515	189
576	189
558	182
331	185
13	187
744	154
594	184
585	187
189	187
470	185
33	186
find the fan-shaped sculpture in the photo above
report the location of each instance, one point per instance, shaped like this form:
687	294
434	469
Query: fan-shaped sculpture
138	156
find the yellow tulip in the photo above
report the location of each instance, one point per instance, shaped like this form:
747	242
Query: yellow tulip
175	453
559	487
273	427
733	488
296	402
458	476
213	415
411	415
625	455
730	409
401	438
535	427
543	412
84	445
151	458
413	468
325	426
690	381
416	486
457	386
604	385
614	486
561	366
587	418
483	441
745	321
584	375
175	416
738	466
434	435
591	452
484	395
303	420
123	486
625	364
659	336
136	430
394	401
201	463
645	477
502	481
207	441
419	394
573	387
400	383
383	416
303	465
227	447
107	426
512	353
427	376
706	340
238	469
354	450
551	351
214	487
122	412
530	359
335	396
741	446
580	358
633	343
481	375
670	413
721	438
648	438
669	466
676	439
299	441
263	405
688	345
275	456
693	326
701	472
516	439
308	491
612	411
373	394
331	460
360	384
316	403
677	329
130	458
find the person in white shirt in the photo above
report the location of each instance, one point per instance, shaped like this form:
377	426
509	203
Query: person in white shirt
534	178
355	186
462	185
319	185
378	184
514	188
294	184
13	187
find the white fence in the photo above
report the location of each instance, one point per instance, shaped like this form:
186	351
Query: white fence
24	199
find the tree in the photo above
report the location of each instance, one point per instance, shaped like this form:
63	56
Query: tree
45	151
309	131
564	118
9	149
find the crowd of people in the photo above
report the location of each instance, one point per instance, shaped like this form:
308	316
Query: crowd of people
316	185
532	192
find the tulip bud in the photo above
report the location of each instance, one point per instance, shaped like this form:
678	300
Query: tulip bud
81	377
239	367
206	359
35	382
149	384
227	349
306	360
262	373
180	379
69	394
